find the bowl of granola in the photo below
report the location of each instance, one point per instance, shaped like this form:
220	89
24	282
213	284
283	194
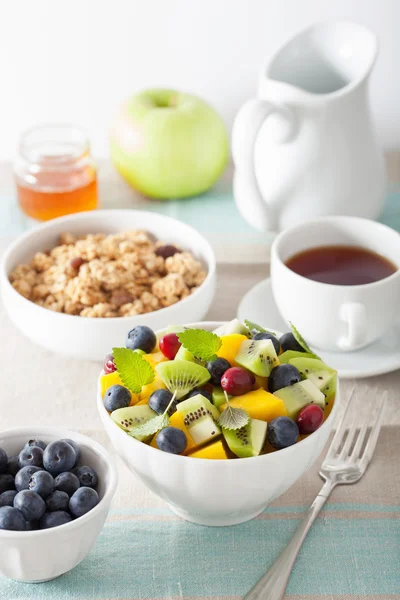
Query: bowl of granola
76	284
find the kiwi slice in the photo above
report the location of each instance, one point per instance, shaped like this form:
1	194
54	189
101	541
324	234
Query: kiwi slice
234	326
299	395
287	356
258	356
218	397
213	410
198	420
247	441
182	376
184	354
133	416
322	376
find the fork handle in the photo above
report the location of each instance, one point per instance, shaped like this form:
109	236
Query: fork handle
273	584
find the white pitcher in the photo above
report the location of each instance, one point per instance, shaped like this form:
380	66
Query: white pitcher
306	147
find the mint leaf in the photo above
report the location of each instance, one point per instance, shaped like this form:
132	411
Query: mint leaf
202	344
155	424
258	328
150	427
233	418
300	340
134	371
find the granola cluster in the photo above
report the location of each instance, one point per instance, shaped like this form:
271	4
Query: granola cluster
118	275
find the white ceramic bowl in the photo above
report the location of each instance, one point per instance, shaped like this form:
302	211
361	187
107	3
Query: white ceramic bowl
34	556
90	338
217	492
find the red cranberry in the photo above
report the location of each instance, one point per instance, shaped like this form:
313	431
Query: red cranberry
310	418
169	345
109	364
237	381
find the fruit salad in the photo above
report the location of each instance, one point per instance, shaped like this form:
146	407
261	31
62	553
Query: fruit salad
237	392
45	486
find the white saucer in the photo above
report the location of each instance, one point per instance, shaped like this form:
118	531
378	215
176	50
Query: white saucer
383	356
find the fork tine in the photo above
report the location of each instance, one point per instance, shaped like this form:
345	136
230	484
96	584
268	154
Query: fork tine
360	440
348	443
373	438
341	428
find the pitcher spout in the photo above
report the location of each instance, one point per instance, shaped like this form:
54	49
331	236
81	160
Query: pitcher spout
330	57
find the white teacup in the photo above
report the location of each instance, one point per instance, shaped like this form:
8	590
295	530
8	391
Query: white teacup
337	317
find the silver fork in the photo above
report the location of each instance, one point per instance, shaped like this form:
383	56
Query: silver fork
347	460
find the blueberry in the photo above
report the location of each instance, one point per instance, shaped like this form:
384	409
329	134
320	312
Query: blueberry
217	368
87	476
54	519
171	439
7	498
67	482
283	376
23	476
57	501
35	443
31	456
13	465
41	482
58	457
30	504
32	525
117	396
197	391
3	461
268	336
83	501
141	337
12	519
75	447
159	401
289	342
7	482
282	432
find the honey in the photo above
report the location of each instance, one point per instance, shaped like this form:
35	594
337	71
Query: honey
54	172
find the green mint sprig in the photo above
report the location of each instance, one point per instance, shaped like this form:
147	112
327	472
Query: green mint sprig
153	425
250	325
202	344
300	340
134	371
233	418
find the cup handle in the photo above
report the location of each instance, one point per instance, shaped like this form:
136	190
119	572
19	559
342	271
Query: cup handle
355	316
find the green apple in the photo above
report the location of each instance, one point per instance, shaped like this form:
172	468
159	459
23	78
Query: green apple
167	144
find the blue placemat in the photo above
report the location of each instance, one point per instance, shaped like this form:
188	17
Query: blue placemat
148	554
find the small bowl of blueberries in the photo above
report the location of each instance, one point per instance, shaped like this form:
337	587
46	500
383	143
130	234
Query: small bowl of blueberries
56	488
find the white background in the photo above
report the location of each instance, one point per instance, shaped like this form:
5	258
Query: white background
76	60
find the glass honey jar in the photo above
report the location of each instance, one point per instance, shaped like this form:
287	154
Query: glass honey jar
54	172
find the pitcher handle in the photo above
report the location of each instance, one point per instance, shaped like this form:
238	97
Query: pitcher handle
245	130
